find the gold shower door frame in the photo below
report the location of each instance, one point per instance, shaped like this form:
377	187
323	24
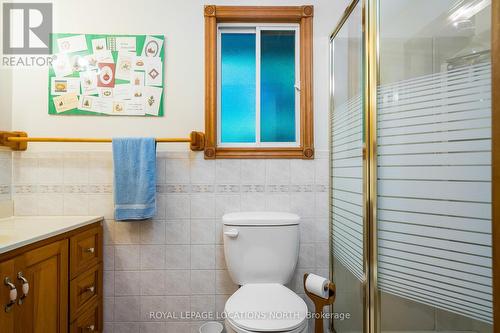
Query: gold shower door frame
370	309
370	59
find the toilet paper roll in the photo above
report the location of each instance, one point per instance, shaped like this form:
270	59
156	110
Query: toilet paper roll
317	285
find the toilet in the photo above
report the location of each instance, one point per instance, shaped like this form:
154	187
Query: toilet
261	251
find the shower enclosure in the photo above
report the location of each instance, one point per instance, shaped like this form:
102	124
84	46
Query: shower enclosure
410	166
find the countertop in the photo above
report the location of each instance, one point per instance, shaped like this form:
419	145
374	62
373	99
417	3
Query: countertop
18	231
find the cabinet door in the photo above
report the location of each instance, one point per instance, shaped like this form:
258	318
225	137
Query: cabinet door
45	308
6	316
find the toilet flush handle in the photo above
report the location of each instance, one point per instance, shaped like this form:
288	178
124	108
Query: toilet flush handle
231	233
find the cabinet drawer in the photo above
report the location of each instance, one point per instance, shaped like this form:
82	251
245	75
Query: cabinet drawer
85	289
85	250
89	321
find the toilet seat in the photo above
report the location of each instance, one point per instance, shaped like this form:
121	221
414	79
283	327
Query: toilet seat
230	328
266	307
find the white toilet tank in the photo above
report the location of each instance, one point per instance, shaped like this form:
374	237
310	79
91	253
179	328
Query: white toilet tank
261	247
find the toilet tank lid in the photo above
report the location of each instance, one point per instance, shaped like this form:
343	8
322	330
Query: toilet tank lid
260	218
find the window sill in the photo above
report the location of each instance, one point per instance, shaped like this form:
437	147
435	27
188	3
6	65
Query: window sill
282	152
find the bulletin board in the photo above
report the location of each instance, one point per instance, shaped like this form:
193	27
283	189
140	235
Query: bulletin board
106	75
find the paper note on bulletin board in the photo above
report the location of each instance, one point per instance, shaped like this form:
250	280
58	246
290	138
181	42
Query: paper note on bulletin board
106	75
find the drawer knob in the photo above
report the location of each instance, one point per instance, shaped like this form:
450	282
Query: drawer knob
90	289
25	286
12	294
90	250
90	328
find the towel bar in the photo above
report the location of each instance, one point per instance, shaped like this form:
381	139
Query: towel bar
19	140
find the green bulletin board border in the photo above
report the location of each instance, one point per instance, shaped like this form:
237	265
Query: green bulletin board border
140	39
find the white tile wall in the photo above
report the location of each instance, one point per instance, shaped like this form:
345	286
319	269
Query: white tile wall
5	175
174	262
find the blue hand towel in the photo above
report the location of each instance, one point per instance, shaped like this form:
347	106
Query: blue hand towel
135	178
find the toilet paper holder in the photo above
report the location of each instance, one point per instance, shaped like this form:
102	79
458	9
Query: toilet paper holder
320	303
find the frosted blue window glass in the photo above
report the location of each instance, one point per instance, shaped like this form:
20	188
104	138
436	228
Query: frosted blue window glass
237	87
277	86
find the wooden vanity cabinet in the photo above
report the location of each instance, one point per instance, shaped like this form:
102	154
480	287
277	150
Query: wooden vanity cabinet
44	308
64	274
6	316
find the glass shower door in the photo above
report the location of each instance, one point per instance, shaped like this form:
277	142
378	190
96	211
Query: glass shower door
434	165
346	172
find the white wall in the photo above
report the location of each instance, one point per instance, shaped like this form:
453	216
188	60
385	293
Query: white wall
182	23
5	94
5	99
5	125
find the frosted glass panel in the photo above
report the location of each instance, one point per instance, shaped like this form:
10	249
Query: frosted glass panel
277	92
431	250
346	172
237	87
347	147
347	181
434	163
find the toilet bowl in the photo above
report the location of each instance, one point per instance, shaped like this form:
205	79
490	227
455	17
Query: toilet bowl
261	251
266	307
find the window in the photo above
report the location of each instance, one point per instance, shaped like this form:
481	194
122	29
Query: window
258	93
258	85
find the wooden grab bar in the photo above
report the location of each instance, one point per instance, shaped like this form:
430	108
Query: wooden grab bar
19	140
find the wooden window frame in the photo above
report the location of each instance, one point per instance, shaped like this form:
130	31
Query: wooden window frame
303	15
